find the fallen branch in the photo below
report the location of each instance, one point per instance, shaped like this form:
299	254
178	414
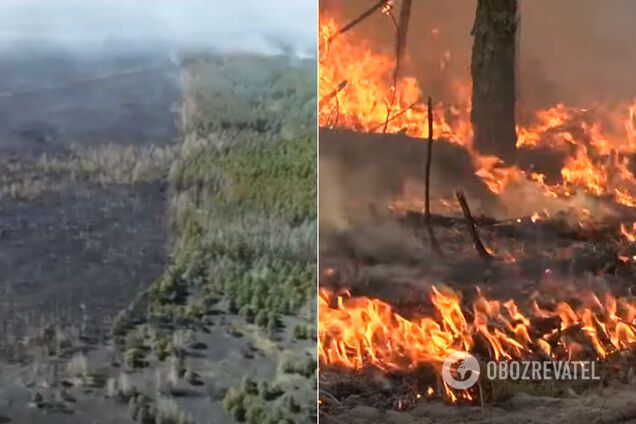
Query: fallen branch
396	70
479	246
334	92
377	6
400	113
429	156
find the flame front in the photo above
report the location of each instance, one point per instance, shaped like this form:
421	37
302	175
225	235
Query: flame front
356	332
357	92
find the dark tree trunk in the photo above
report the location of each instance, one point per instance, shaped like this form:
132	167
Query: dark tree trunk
405	16
493	73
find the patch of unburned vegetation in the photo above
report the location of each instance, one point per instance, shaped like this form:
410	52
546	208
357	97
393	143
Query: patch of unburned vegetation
112	163
109	163
243	204
243	212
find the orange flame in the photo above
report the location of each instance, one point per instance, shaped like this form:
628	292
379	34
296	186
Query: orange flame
357	92
629	233
355	332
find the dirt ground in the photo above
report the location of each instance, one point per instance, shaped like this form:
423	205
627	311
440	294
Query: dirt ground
608	405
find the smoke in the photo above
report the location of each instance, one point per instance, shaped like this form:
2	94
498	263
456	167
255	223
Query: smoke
572	51
583	48
334	216
251	26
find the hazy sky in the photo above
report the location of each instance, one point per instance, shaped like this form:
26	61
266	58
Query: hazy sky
246	25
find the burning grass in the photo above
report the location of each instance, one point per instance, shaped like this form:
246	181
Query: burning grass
552	291
358	332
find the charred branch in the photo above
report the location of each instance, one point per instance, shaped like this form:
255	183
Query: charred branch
397	115
364	15
472	228
396	69
435	246
333	95
334	92
401	30
429	157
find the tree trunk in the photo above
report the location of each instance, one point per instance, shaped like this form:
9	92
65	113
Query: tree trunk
493	73
405	16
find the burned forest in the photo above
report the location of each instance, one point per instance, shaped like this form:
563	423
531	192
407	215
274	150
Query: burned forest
157	212
465	207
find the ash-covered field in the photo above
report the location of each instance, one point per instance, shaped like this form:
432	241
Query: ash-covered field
86	145
51	97
82	229
136	285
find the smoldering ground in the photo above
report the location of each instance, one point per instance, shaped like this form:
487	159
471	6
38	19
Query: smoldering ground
579	52
367	247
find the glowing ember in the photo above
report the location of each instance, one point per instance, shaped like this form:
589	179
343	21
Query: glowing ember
629	233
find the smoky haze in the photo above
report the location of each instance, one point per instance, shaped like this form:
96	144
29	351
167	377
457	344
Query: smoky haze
252	26
574	51
95	71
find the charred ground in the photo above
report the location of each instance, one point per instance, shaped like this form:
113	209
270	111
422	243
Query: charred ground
377	247
106	189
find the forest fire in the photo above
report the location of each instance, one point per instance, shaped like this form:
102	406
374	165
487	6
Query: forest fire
359	91
357	332
597	143
509	234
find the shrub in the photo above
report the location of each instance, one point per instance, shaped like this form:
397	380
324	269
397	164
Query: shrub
233	397
249	386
